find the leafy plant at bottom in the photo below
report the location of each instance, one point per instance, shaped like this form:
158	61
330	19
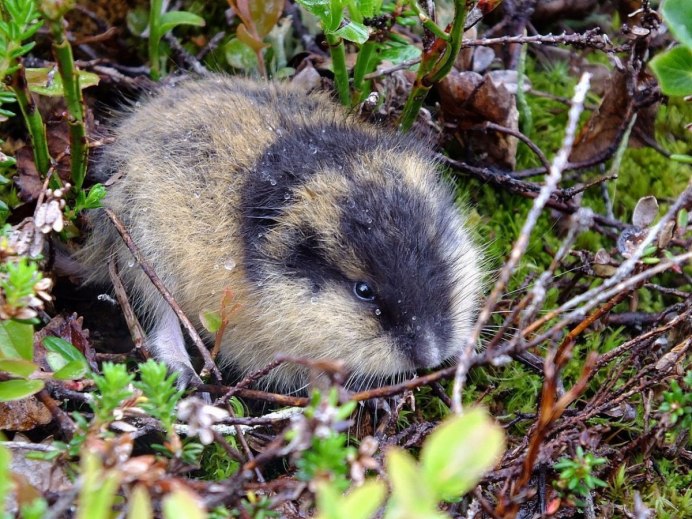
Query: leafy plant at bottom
22	292
160	393
114	386
66	361
576	476
328	452
326	459
677	403
452	461
257	507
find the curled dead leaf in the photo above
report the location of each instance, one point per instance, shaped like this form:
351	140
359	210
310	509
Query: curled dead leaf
645	212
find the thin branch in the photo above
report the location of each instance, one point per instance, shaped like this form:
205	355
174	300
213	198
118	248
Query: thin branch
522	242
209	364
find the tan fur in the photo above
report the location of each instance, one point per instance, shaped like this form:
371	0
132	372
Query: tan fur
179	199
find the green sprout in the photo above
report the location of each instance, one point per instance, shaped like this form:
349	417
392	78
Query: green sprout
576	474
677	403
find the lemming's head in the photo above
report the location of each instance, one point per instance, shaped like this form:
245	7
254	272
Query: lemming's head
358	252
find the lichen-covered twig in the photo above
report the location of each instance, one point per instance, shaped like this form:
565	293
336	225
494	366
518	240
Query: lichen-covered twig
551	183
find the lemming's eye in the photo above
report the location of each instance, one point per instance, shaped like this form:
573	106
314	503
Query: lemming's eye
363	291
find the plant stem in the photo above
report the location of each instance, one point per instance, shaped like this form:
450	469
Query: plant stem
73	98
421	87
364	65
154	39
338	52
33	119
436	63
429	23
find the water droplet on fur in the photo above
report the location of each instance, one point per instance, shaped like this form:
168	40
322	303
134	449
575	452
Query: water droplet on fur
350	203
287	196
398	301
272	181
196	194
378	311
217	267
131	263
229	264
107	298
313	300
369	220
313	150
413	318
418	327
260	284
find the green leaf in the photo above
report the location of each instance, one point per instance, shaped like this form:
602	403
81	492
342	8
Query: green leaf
98	489
66	350
139	504
396	52
360	503
138	20
674	71
4	209
16	340
211	320
412	496
457	454
97	192
5	114
683	219
355	32
46	81
182	503
318	8
678	16
680	157
18	389
240	55
364	501
174	18
369	8
6	161
19	367
55	360
5	480
73	370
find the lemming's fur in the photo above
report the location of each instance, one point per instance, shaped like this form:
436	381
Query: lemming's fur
288	201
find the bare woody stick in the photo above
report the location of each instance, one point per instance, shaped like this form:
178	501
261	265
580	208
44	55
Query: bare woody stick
551	182
209	364
136	331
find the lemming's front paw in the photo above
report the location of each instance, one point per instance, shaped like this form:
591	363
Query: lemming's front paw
187	376
189	379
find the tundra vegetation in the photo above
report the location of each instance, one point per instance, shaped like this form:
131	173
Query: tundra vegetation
564	125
